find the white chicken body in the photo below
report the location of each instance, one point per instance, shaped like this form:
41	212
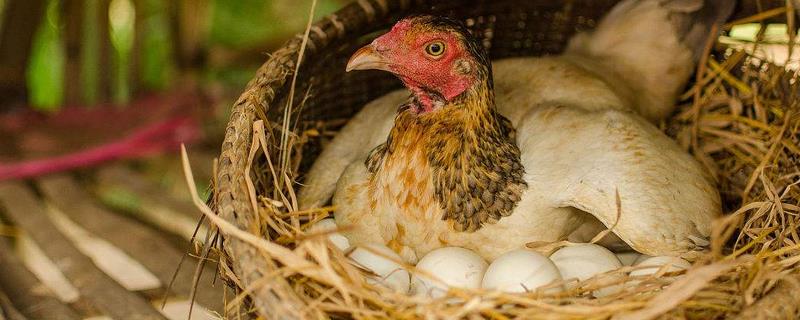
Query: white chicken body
557	129
584	137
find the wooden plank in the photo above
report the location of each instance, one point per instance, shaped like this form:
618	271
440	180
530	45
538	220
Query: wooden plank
149	247
130	192
118	265
7	309
22	206
177	216
169	169
30	296
45	270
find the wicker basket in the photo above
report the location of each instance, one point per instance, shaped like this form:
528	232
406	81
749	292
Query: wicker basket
509	28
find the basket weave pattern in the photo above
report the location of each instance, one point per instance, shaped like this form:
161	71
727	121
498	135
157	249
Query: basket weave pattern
509	28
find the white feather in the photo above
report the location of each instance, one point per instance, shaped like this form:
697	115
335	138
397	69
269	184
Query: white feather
584	128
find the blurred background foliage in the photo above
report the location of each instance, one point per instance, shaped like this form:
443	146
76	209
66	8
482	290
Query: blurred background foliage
85	52
151	61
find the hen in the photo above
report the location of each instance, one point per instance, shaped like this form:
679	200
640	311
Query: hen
490	161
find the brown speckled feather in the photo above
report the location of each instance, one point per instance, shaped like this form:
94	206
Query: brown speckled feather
462	176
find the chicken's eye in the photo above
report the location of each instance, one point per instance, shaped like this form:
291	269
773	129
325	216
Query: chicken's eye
435	49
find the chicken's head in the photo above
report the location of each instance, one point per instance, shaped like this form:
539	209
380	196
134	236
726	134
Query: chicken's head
435	57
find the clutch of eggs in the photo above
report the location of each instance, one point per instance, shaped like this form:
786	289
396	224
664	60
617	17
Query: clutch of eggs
519	270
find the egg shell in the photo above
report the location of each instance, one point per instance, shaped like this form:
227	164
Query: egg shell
452	267
520	271
641	258
655	263
381	261
628	258
327	225
584	261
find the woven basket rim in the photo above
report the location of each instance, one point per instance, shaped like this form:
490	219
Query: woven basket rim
230	198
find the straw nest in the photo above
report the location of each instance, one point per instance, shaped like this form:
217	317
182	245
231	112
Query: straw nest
740	119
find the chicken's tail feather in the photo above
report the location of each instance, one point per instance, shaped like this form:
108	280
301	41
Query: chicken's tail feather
650	47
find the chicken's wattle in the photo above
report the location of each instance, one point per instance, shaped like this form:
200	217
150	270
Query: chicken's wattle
491	158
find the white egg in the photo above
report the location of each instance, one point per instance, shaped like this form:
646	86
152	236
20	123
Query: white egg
584	261
381	261
628	258
326	225
448	267
654	264
641	258
520	271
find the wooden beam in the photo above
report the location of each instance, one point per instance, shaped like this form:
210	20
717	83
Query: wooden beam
92	61
26	211
189	27
29	297
147	246
137	50
21	20
72	14
107	70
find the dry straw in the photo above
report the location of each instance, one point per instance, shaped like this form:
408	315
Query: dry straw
741	119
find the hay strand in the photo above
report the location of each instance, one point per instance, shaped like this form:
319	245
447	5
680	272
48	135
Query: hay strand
741	119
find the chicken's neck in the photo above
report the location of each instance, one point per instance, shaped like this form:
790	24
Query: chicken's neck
471	154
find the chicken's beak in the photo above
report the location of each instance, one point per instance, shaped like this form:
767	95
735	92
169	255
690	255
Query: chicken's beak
367	58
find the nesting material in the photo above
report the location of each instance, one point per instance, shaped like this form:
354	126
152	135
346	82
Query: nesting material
741	121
